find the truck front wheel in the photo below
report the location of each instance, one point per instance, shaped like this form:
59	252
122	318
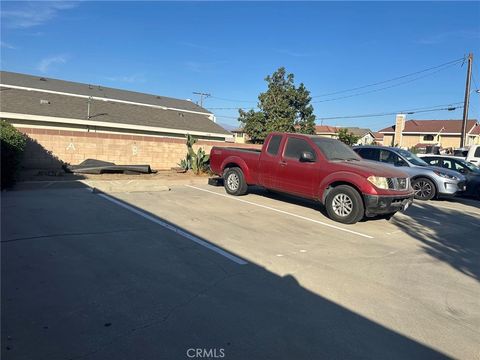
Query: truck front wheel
344	204
234	182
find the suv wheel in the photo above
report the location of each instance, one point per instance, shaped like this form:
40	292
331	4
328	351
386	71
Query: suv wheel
424	189
344	204
234	182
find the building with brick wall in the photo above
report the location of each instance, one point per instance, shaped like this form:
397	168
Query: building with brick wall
445	133
70	122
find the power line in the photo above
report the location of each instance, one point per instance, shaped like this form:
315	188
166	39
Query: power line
226	117
389	113
230	108
233	100
202	95
385	87
453	62
449	107
440	67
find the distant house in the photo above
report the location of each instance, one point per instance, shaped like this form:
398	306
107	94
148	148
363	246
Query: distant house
378	138
421	133
326	131
366	136
240	136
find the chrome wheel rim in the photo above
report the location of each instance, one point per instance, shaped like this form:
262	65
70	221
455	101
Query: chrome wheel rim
342	205
422	189
233	182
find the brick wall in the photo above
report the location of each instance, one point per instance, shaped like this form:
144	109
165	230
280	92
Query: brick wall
48	148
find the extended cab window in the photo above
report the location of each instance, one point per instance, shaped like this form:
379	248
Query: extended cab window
274	144
295	147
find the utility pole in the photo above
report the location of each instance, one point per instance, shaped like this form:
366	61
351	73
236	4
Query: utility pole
201	96
467	100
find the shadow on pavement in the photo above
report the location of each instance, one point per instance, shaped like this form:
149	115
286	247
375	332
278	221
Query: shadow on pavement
448	235
431	228
128	289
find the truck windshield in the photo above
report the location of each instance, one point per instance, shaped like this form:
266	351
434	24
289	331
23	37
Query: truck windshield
412	158
335	150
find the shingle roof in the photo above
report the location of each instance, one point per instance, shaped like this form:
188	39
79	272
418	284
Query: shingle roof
378	136
327	129
476	130
358	131
433	126
29	102
43	83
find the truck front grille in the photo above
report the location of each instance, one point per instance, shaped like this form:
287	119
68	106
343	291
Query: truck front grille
397	183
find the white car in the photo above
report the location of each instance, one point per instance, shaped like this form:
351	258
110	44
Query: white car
473	155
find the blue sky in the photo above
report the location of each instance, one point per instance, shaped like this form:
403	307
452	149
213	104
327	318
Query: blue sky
227	49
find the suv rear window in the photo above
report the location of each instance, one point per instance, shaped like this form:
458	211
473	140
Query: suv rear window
274	144
368	153
477	152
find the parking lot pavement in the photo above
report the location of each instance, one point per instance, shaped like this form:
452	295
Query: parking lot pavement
152	275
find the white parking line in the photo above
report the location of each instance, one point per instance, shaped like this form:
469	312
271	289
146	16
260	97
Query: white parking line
176	230
282	212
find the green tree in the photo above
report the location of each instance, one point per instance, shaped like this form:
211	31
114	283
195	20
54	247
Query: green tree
347	137
253	125
305	117
283	107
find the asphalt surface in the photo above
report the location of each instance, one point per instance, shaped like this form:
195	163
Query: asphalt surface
155	275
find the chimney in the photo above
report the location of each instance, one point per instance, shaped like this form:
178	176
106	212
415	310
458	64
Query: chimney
399	127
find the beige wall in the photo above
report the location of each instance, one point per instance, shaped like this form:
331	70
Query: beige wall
47	146
445	141
387	140
239	138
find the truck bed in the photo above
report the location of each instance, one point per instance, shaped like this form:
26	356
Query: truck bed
247	158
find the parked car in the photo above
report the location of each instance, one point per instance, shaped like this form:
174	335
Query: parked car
316	168
428	182
473	154
468	169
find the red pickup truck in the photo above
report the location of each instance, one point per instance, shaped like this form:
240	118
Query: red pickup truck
316	168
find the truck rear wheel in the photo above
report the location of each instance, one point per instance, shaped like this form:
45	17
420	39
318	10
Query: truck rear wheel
344	204
234	182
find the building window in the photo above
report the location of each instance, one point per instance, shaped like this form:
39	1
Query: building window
428	137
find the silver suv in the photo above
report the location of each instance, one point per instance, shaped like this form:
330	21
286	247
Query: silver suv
427	181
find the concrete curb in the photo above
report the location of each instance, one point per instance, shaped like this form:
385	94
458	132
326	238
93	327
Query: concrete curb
113	186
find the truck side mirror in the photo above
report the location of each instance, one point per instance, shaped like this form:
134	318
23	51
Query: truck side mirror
307	156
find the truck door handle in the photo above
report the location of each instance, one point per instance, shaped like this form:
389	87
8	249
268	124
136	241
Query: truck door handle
283	163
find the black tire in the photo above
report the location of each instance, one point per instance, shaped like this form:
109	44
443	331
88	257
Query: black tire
424	189
345	200
234	182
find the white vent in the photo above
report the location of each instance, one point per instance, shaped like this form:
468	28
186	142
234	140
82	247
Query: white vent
44	102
